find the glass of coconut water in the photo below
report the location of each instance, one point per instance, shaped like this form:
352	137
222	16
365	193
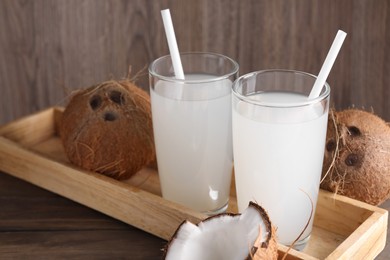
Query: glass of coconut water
192	129
279	139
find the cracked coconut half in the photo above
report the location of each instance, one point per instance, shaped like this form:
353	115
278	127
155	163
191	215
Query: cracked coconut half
249	235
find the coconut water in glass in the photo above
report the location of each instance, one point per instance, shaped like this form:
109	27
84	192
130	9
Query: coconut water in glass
192	129
279	139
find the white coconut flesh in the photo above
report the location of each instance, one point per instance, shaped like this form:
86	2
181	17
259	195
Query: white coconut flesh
224	236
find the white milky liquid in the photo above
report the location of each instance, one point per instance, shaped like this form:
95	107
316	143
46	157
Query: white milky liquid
278	156
194	142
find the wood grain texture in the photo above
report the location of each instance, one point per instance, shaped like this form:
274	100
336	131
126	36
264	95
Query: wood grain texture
50	48
37	224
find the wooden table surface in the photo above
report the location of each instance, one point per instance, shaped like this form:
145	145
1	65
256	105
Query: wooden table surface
37	224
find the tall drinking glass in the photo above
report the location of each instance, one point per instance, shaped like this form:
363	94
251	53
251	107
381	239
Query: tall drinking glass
192	129
279	139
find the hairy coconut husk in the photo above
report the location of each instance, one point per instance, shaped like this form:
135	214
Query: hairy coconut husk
357	156
108	129
249	235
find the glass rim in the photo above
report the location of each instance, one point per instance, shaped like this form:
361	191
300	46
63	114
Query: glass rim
324	93
233	71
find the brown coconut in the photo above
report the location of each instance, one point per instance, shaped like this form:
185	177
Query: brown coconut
249	235
357	156
108	129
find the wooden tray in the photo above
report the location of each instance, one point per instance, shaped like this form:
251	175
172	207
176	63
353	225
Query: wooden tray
30	149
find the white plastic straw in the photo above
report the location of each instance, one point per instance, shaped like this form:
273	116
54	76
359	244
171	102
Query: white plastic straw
328	64
172	44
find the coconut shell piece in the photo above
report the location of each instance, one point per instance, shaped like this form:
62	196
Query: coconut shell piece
357	156
249	235
108	129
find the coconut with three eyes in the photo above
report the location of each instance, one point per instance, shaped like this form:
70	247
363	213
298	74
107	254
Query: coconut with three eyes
357	156
107	128
249	235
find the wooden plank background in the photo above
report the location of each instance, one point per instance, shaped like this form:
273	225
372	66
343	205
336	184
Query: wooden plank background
50	47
